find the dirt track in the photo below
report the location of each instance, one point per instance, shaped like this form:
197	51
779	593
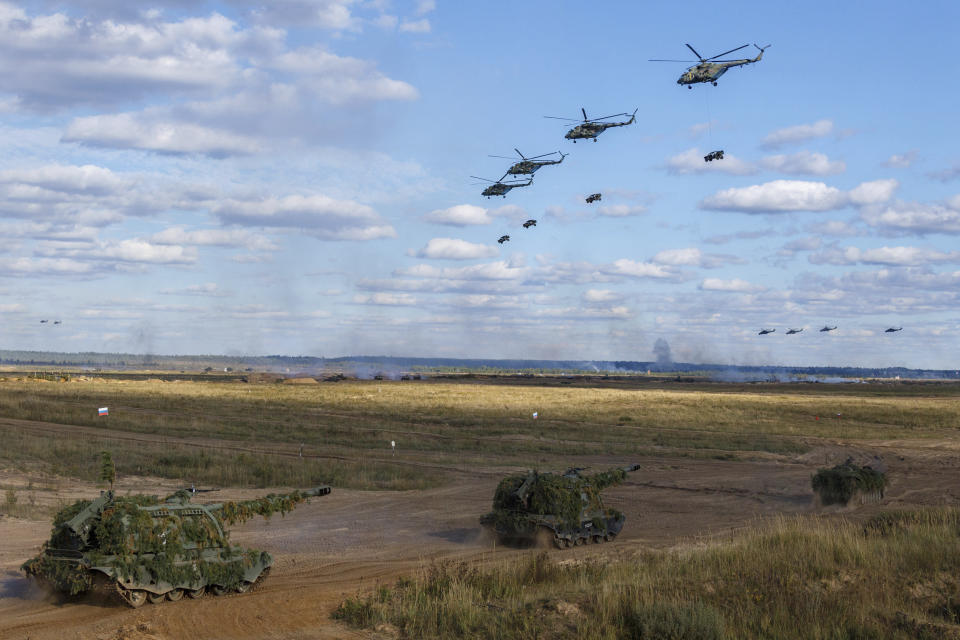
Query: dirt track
349	541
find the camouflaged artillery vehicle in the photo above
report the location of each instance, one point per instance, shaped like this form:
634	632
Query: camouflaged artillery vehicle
848	482
143	548
564	508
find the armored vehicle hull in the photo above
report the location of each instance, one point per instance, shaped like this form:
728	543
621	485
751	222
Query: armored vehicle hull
146	550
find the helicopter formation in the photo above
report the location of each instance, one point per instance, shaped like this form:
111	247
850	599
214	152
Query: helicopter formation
825	329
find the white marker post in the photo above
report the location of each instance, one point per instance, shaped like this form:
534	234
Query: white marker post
393	447
535	414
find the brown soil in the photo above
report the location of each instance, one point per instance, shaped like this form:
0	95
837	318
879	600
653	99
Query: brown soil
348	542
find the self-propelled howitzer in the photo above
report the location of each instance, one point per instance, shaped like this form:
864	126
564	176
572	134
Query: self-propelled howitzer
147	549
566	508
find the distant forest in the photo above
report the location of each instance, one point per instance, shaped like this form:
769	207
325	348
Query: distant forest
388	366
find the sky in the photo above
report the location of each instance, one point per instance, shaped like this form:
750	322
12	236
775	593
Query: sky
294	177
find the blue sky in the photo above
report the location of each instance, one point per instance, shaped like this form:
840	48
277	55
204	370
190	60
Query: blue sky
293	177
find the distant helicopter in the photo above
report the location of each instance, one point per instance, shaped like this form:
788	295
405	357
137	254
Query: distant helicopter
503	239
710	69
43	322
592	127
790	332
531	165
500	188
764	332
827	328
529	223
893	329
56	322
593	197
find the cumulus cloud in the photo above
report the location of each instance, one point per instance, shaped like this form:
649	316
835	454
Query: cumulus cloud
797	195
44	267
915	217
901	160
318	215
455	249
620	210
691	162
142	131
206	290
736	285
461	215
415	26
946	175
132	250
214	237
890	256
693	257
387	299
804	163
634	269
797	134
600	296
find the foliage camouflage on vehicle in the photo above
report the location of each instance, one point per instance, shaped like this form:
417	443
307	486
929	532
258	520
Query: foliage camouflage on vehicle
839	484
567	505
146	547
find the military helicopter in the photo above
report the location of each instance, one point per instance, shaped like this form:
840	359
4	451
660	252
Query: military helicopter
790	332
710	69
43	322
503	239
500	188
893	329
56	322
764	332
531	165
827	328
529	223
592	127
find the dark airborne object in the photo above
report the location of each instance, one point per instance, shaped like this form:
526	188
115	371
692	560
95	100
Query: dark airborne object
529	223
56	322
500	188
826	328
764	332
143	549
531	165
563	508
790	332
713	155
710	69
593	197
503	239
593	127
893	329
43	322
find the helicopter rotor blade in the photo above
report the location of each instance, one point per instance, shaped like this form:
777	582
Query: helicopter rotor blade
726	52
484	179
503	157
542	155
616	115
559	118
662	60
520	154
695	52
585	119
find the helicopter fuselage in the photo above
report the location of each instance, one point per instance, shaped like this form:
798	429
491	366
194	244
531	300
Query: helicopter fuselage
593	129
711	71
502	188
530	166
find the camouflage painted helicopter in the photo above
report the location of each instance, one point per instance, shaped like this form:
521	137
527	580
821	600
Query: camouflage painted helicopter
531	165
893	329
529	223
500	188
593	127
790	332
710	69
764	332
827	328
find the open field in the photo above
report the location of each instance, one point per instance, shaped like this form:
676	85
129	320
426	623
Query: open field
722	465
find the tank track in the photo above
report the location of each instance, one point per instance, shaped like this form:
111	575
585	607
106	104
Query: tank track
598	538
136	598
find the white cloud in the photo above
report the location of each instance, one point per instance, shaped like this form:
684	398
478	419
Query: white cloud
44	266
140	131
425	6
691	162
891	256
207	290
597	296
901	160
915	217
86	180
797	134
946	175
387	299
634	269
415	26
736	285
797	195
620	210
460	215
455	249
214	237
804	163
132	250
317	215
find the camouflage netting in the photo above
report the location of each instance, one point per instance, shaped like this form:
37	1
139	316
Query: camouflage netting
839	484
128	541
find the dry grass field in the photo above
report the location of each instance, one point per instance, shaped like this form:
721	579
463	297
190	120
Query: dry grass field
723	538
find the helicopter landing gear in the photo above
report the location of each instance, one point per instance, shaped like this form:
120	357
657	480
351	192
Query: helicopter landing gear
714	84
689	87
594	139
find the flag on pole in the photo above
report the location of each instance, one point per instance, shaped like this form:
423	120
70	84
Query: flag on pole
102	411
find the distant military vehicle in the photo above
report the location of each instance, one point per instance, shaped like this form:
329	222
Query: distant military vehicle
593	127
764	332
504	239
827	328
142	548
790	332
710	69
844	482
529	166
893	329
713	155
593	197
563	508
500	188
529	223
